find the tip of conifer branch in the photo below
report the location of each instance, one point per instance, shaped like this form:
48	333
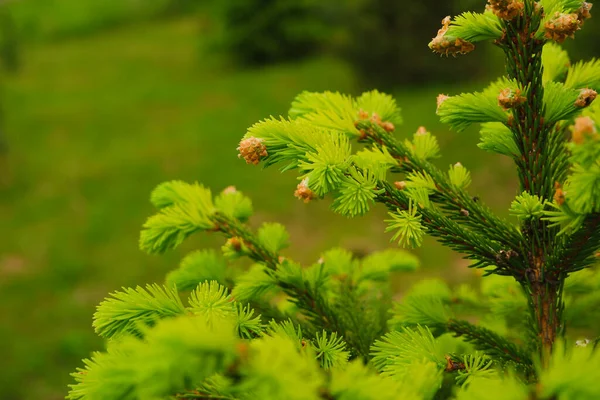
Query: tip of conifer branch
584	12
506	9
509	98
229	190
586	97
303	192
441	99
445	45
562	26
252	150
400	185
559	194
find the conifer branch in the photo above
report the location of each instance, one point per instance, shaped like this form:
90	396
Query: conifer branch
489	342
580	250
477	247
454	200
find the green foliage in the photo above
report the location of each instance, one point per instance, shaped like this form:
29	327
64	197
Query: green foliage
381	104
584	75
527	207
129	311
330	351
273	237
465	109
197	267
289	331
560	102
556	63
572	373
497	138
459	176
475	27
185	210
424	146
407	224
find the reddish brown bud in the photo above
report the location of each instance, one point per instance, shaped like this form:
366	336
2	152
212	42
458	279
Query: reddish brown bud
401	185
506	9
562	26
387	126
509	98
559	196
584	12
511	120
441	99
375	118
449	45
229	190
586	97
252	150
583	128
235	243
362	114
303	192
422	130
452	366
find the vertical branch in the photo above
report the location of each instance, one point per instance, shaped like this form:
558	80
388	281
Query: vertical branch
539	145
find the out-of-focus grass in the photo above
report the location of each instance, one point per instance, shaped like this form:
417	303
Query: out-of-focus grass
94	124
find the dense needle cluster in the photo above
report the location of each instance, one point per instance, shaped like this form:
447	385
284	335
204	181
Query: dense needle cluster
248	322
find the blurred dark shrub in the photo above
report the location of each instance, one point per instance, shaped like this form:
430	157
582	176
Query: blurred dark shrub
266	31
386	40
375	36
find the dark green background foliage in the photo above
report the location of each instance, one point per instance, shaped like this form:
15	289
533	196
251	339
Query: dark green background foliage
109	98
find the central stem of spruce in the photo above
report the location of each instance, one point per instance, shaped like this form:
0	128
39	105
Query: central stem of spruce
524	64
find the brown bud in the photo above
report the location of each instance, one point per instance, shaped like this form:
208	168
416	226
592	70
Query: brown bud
252	150
584	128
303	192
243	350
511	120
464	212
387	126
441	99
401	185
422	130
235	243
362	114
506	9
452	366
584	12
509	98
229	190
449	45
375	118
559	196
586	97
562	26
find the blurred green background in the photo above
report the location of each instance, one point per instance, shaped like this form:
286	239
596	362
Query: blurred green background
102	100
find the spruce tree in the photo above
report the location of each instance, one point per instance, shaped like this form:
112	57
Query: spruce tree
330	330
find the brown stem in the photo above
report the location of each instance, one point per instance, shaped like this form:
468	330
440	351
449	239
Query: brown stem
546	311
538	146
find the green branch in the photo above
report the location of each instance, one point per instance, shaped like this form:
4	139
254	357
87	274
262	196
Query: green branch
489	342
452	199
